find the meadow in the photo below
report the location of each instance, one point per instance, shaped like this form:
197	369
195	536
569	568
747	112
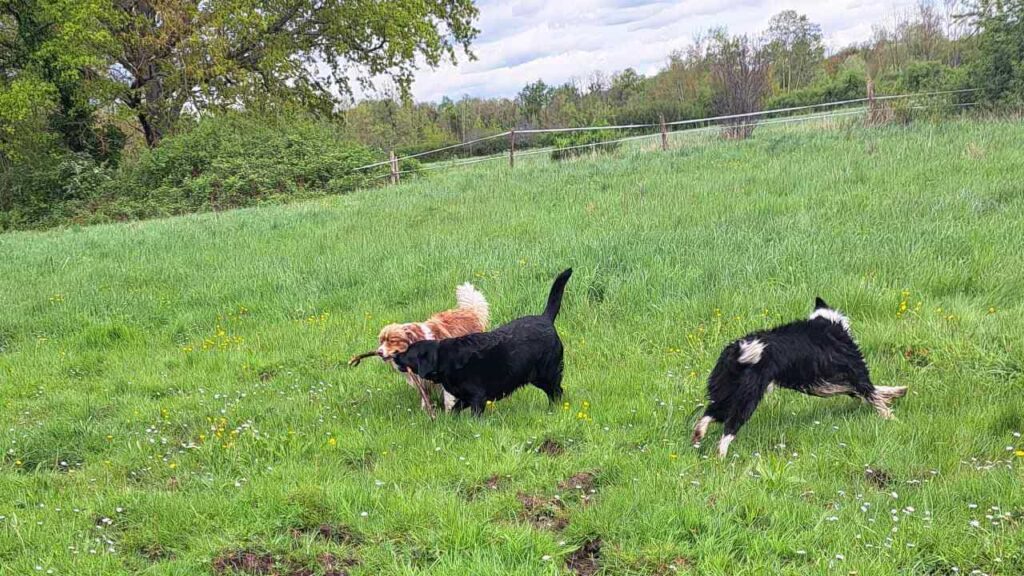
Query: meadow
176	400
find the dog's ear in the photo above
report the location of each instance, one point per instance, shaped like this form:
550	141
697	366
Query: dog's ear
420	359
427	359
819	304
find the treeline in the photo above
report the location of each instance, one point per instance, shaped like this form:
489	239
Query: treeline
122	109
932	47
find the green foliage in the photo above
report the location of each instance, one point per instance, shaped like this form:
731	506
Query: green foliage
225	161
998	65
848	84
932	77
581	143
242	159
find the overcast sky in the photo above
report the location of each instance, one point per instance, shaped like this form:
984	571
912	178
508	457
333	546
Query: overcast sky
523	40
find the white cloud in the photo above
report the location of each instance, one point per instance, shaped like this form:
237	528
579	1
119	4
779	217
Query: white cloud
523	40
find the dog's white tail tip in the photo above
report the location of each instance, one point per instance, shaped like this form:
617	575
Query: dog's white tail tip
468	297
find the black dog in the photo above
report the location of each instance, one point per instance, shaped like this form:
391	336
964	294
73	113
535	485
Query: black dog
491	365
816	356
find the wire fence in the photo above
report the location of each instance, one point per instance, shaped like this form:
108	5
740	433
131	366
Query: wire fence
747	120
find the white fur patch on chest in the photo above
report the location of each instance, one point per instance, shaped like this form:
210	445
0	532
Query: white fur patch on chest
428	334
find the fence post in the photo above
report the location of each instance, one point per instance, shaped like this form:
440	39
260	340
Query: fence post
664	132
872	110
394	167
512	149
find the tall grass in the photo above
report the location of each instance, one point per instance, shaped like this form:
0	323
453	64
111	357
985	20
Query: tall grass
175	391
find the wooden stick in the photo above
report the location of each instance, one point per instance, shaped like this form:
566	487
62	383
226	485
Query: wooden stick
355	360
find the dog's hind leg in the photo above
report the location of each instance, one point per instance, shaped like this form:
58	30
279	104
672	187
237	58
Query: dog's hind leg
701	429
744	400
880	397
551	382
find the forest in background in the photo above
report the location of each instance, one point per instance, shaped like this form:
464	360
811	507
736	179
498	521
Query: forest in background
121	109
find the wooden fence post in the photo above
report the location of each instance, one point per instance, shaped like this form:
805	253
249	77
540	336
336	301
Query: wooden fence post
664	132
512	149
872	109
394	168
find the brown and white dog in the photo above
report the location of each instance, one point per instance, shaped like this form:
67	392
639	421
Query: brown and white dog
468	317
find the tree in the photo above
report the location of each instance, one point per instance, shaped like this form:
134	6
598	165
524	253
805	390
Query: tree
46	49
533	98
159	57
998	66
739	74
795	49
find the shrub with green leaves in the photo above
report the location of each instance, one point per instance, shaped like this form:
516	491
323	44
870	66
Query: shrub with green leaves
579	143
240	160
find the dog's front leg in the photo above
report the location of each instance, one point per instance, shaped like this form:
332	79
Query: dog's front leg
449	400
420	386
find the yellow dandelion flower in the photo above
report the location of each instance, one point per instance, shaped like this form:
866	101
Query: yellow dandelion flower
565	406
991	309
172	465
673	456
332	442
17	462
109	438
1019	453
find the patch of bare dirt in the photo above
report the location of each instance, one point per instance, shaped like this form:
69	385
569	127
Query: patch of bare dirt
582	484
245	562
551	447
257	563
334	566
586	560
880	478
543	513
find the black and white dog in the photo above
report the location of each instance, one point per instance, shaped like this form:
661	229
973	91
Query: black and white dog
816	356
491	365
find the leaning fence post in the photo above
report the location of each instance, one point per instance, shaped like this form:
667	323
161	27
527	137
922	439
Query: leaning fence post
394	168
512	149
664	132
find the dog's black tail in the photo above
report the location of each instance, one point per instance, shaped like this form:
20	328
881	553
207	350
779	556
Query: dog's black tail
555	297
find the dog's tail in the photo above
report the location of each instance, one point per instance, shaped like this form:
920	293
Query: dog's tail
555	297
469	298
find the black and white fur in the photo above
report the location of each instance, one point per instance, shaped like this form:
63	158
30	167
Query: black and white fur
816	356
487	366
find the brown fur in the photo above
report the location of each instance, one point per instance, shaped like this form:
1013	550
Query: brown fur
396	338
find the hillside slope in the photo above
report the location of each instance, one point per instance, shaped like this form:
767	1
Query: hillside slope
176	401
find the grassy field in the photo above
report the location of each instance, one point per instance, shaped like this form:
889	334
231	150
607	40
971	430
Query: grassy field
175	398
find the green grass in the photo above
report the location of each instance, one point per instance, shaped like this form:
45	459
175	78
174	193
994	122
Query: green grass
112	407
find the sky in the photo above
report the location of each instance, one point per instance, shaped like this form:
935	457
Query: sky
524	40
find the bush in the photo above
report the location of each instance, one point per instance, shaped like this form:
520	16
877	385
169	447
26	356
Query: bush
845	85
226	161
579	143
240	160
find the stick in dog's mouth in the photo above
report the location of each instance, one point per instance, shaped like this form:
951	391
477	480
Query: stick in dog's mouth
355	360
